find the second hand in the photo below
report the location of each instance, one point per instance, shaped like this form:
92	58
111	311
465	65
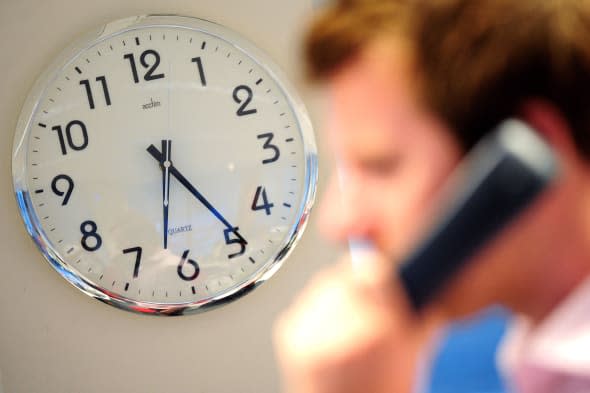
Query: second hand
166	163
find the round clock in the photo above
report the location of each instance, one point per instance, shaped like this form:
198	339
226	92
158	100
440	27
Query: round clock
164	165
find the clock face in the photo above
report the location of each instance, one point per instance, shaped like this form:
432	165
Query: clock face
163	165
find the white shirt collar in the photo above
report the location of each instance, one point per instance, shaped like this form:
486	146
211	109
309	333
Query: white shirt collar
561	343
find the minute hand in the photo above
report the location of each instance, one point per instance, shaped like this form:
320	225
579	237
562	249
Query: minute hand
183	180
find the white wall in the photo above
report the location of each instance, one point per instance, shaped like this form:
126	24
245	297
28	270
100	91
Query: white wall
55	339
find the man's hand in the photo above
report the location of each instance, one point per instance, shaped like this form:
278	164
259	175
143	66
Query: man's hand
351	331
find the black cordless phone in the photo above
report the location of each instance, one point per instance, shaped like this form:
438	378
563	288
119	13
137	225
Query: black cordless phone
499	178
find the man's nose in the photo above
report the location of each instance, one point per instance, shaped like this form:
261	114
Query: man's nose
344	214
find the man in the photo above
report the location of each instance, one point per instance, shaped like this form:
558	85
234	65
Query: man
413	85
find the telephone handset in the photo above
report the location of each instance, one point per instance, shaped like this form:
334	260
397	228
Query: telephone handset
499	178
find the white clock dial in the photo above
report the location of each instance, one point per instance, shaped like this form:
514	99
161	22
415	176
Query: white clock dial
164	164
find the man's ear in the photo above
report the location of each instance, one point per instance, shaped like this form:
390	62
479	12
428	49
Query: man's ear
551	124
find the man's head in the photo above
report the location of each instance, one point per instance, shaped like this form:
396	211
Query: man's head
415	84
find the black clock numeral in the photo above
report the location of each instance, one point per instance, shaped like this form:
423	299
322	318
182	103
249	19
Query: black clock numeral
105	90
67	192
183	261
90	233
201	71
237	240
137	251
150	67
149	75
74	145
242	110
267	145
265	205
131	58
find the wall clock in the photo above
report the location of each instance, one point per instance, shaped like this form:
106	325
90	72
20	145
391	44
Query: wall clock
164	165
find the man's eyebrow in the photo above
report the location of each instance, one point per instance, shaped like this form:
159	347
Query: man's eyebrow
380	162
